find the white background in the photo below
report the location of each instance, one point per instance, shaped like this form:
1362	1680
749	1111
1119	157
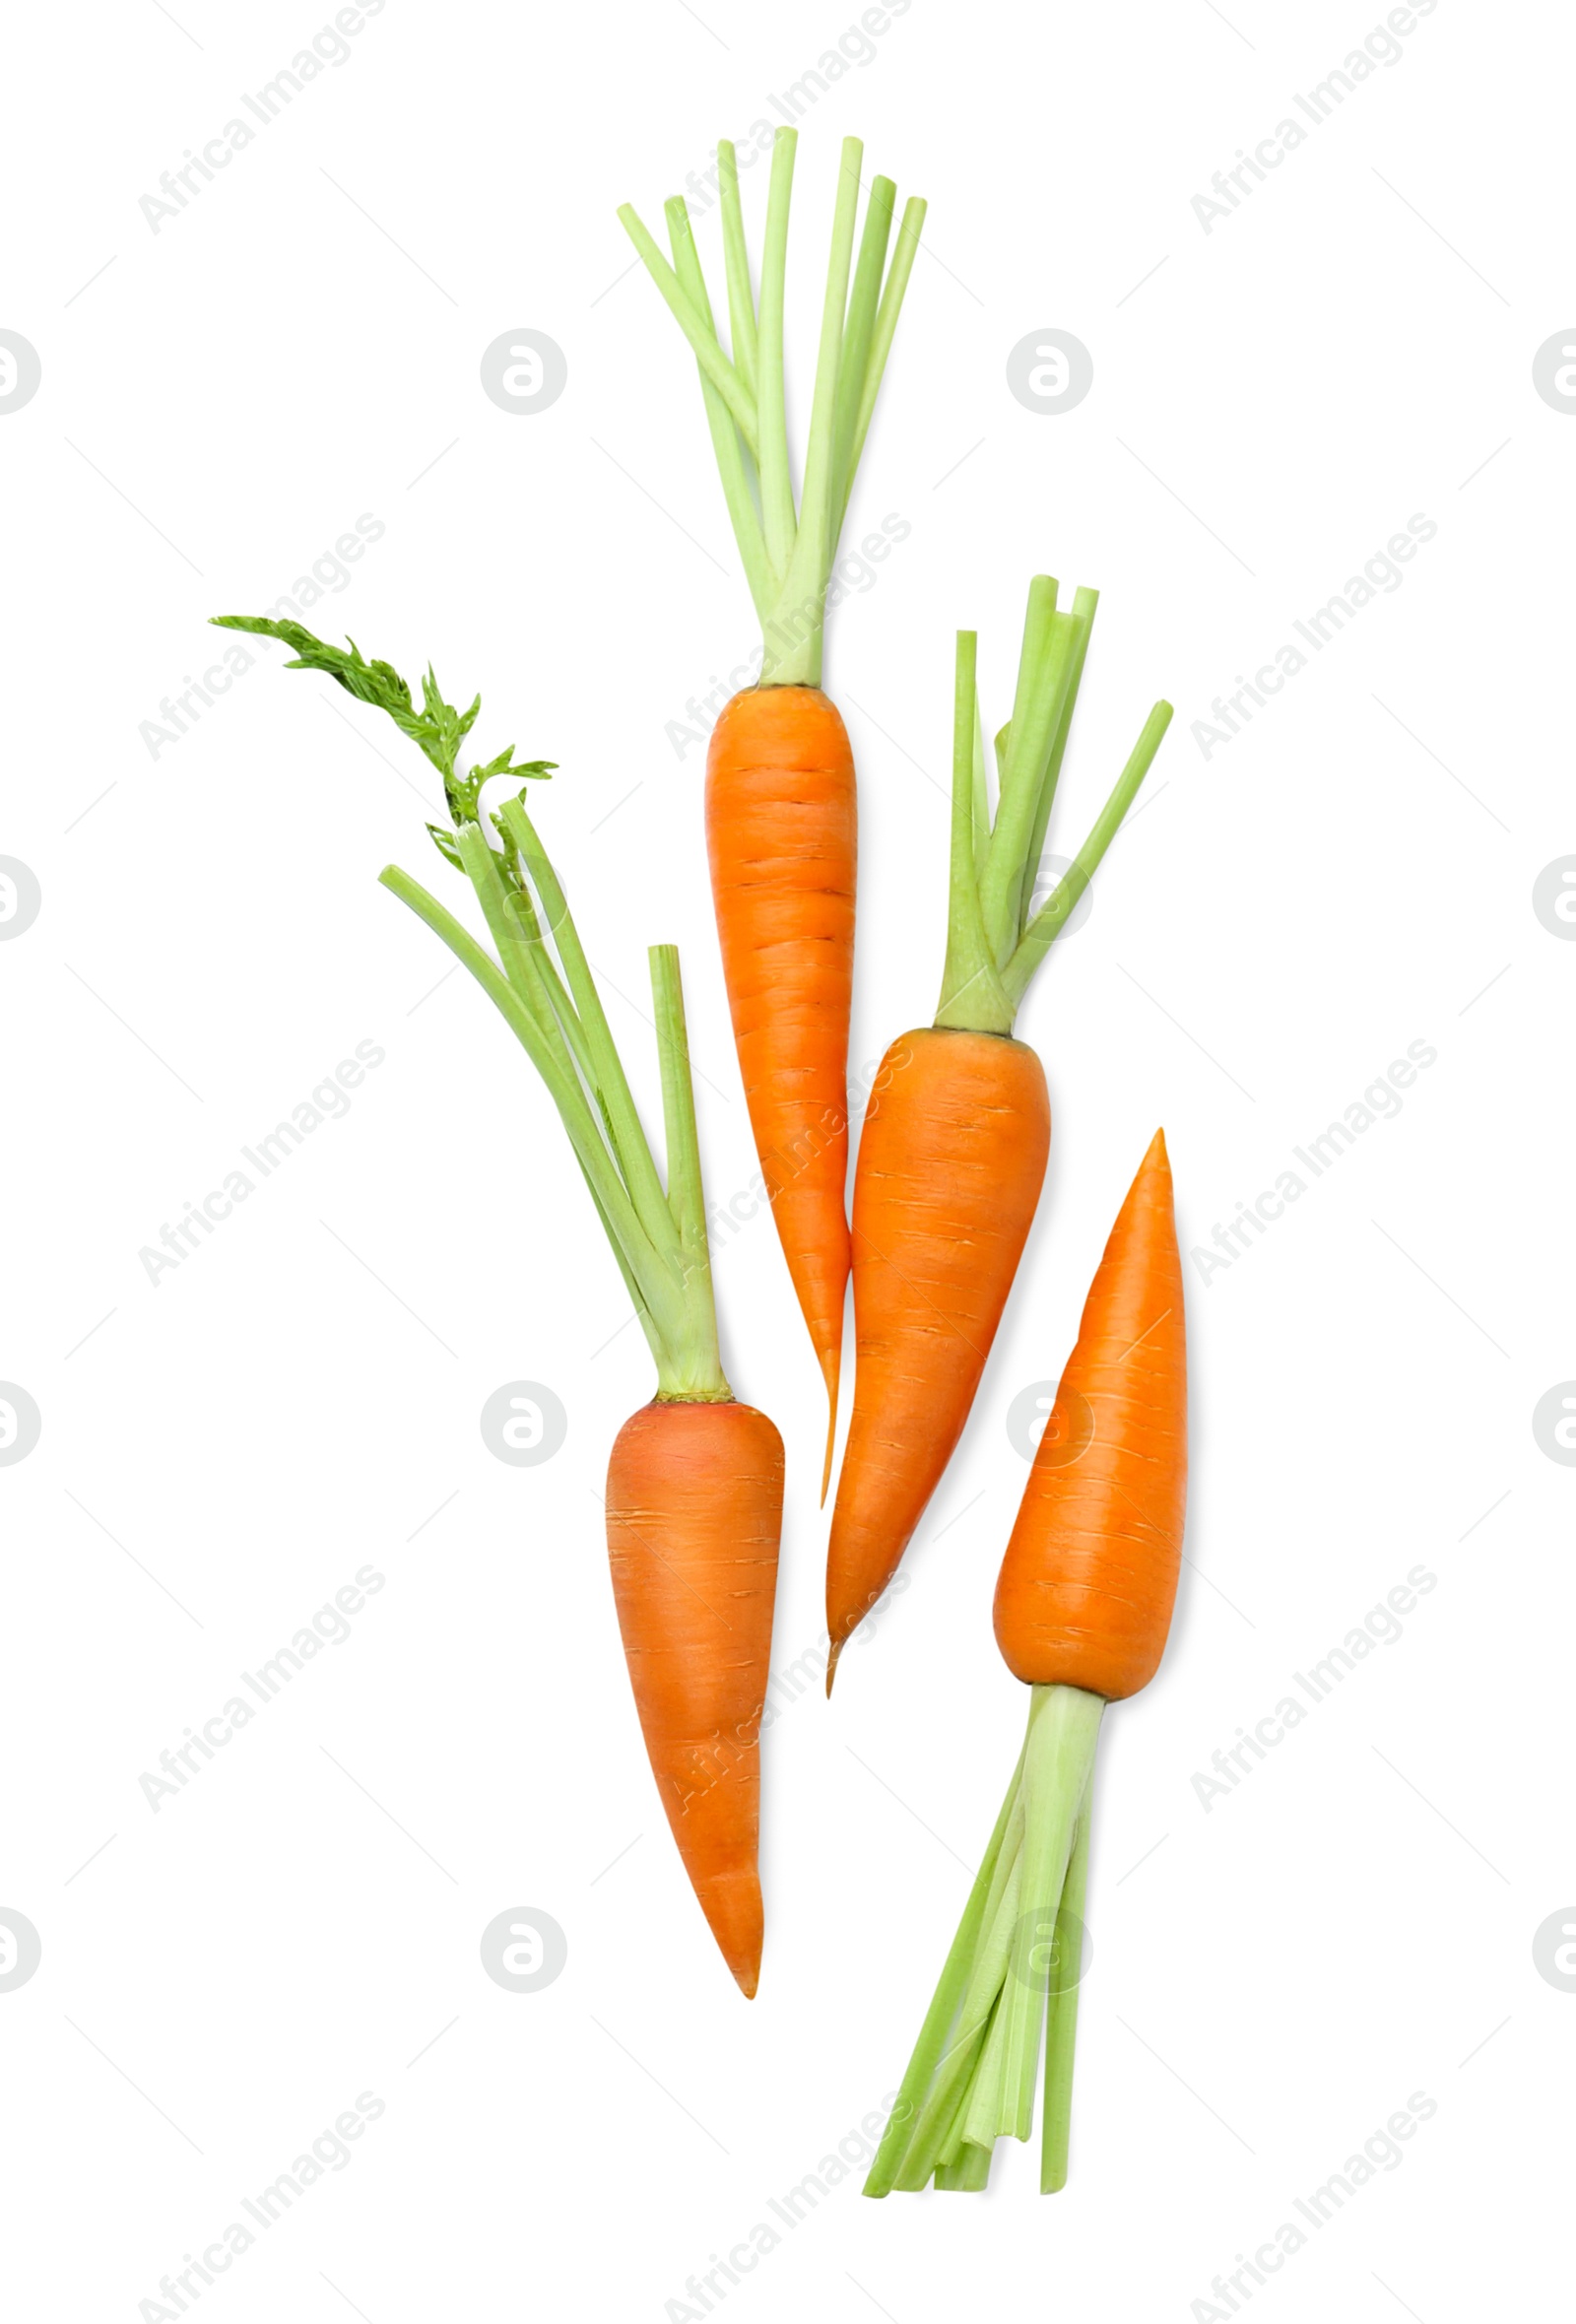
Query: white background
300	344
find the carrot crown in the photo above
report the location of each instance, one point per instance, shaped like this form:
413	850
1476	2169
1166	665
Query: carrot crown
788	554
995	942
541	985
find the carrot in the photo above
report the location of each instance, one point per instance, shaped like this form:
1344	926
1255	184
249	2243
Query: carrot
780	798
1082	1608
781	837
1096	1614
951	1161
954	1150
694	1484
694	1512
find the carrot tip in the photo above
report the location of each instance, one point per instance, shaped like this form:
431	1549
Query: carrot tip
746	1979
832	1664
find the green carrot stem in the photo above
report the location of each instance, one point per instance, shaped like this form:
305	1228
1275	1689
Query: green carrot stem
971	2076
1049	638
568	1020
880	345
659	1306
1053	915
725	444
680	1135
1061	2018
981	788
943	2004
771	450
991	953
629	1139
515	931
718	369
546	993
946	2147
736	264
532	970
988	1969
1084	602
971	992
1064	1726
858	333
816	547
788	554
1032	654
686	1202
969	2174
987	2091
563	1030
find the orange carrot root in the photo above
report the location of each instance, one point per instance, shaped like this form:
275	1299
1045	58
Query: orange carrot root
781	834
950	1170
694	1517
1089	1577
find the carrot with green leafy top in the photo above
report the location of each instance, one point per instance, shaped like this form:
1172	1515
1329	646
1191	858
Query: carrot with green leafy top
1082	1609
695	1479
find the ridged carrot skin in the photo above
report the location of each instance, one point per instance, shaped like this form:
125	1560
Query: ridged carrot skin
782	837
695	1518
951	1164
1088	1582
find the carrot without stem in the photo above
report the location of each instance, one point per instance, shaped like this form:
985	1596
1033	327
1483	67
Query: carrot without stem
695	1479
957	1135
1082	1606
1097	1612
780	806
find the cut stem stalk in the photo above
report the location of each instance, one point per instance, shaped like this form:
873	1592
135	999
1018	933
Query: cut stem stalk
788	552
1054	914
1063	1731
972	997
736	264
1061	2018
944	2004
